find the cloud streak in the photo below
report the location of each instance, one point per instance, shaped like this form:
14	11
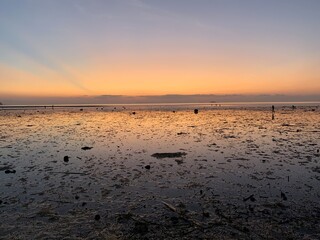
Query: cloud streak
21	45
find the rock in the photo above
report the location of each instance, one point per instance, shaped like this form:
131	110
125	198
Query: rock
196	111
147	167
86	148
76	197
97	217
9	171
133	113
283	196
66	158
169	155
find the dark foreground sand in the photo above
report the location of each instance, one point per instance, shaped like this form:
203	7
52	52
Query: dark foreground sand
230	174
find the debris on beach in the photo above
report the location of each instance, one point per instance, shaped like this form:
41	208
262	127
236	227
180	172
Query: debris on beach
283	196
9	171
147	167
86	148
66	158
169	155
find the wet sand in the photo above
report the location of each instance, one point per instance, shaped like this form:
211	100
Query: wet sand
219	174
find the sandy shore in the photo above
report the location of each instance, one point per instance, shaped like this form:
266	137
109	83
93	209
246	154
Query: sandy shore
219	174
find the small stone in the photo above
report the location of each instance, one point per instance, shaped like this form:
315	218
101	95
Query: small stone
133	113
196	111
147	167
97	217
283	196
76	197
66	158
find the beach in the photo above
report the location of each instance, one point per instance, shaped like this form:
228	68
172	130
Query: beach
160	173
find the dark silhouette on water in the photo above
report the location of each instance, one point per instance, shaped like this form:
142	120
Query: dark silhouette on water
273	112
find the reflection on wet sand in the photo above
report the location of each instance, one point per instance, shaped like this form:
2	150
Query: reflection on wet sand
98	174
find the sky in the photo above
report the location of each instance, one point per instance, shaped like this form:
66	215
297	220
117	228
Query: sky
58	48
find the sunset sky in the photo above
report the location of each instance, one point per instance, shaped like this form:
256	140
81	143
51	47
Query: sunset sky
154	47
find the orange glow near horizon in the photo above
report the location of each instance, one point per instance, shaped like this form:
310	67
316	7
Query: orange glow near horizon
159	78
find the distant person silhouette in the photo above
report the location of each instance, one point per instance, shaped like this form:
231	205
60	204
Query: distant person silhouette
272	112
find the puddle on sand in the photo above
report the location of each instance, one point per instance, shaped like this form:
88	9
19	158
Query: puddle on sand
223	172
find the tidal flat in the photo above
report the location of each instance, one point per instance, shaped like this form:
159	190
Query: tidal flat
224	173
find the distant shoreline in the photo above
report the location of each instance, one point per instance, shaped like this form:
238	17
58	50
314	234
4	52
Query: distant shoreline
150	105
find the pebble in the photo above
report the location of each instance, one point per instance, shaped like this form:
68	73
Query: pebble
147	167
